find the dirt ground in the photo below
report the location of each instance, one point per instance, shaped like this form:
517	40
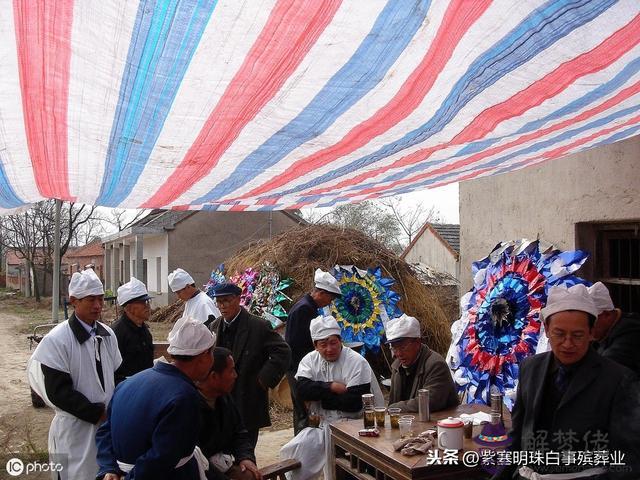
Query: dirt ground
24	429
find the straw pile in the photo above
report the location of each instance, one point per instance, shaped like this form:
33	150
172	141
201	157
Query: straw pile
296	253
170	313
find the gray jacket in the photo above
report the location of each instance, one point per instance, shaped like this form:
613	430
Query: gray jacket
432	373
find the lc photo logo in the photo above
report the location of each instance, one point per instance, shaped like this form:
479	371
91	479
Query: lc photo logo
15	467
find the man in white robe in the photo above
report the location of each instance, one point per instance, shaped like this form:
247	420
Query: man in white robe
72	369
331	381
197	304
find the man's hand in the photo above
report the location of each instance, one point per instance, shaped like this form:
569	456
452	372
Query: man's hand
247	464
337	387
112	476
102	418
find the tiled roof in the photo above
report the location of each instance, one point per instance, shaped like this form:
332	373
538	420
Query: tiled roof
93	249
161	219
450	233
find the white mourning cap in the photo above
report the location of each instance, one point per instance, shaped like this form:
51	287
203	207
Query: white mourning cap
132	290
323	327
402	327
601	298
326	281
190	337
561	299
178	279
84	284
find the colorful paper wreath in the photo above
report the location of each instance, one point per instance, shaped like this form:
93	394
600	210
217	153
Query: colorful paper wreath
500	324
367	302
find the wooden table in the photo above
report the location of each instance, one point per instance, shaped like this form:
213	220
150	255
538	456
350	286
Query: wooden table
373	458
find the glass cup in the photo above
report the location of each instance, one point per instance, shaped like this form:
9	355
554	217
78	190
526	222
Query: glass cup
406	427
369	419
408	417
380	413
394	416
468	428
314	419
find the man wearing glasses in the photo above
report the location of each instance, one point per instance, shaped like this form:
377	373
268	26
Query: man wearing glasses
134	338
569	398
416	366
261	355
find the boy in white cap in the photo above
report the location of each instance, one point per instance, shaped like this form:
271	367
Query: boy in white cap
569	398
73	370
197	304
416	366
617	334
154	418
331	381
134	338
326	290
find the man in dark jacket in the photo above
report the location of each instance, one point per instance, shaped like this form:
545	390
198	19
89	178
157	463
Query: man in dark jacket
134	338
224	440
617	334
417	367
570	399
297	334
261	356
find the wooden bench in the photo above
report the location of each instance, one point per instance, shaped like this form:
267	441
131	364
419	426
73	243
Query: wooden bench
276	471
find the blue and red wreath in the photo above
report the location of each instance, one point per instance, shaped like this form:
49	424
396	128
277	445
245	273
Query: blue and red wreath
500	324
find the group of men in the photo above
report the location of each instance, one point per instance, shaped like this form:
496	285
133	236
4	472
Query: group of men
198	417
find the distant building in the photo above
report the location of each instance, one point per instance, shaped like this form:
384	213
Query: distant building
197	241
438	246
589	201
91	254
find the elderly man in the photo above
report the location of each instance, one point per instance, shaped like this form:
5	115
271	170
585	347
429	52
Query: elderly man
297	334
261	355
331	380
224	440
617	334
197	304
154	418
73	370
568	398
134	338
417	367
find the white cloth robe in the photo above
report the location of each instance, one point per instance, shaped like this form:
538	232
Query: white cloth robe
68	435
200	307
352	369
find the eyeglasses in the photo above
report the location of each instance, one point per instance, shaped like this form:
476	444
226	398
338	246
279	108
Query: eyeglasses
400	347
225	299
575	338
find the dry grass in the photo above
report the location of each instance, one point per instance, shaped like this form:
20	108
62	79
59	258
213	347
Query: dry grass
296	253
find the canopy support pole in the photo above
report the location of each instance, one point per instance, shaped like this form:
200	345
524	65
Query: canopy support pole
55	303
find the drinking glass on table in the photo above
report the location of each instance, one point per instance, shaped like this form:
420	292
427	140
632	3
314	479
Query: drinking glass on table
394	416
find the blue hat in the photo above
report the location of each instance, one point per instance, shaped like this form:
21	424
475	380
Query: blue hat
224	289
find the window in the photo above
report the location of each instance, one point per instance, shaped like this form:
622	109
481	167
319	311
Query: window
144	271
618	263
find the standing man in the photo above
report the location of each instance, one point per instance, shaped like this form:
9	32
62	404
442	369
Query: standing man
416	367
332	380
197	304
261	355
617	334
224	439
154	418
571	398
297	335
78	359
134	338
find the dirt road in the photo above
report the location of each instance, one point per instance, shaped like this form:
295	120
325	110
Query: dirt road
24	429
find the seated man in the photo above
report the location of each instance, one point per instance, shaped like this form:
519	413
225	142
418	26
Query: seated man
571	398
224	440
617	334
416	367
331	381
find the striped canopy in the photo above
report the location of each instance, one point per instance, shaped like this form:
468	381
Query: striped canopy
277	104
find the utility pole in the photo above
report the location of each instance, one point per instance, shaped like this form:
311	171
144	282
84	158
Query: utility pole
55	303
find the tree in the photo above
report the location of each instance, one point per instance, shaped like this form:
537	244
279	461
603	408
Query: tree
410	218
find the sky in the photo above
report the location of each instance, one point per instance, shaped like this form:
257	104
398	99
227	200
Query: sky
445	199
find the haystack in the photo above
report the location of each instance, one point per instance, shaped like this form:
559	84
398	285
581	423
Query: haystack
296	253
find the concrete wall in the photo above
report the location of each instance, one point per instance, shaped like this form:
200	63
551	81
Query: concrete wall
429	249
156	246
204	240
599	185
